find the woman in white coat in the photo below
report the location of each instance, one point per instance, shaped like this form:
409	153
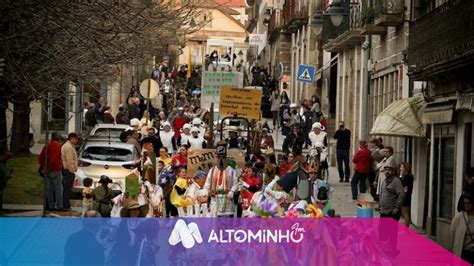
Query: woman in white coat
462	231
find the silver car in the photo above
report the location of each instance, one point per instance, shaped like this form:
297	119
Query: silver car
108	130
113	159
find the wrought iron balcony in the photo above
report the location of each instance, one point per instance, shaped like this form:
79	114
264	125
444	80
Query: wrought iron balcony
442	40
359	23
295	14
275	24
389	12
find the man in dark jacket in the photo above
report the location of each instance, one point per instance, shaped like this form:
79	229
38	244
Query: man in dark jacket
154	140
90	118
363	165
294	141
121	117
343	146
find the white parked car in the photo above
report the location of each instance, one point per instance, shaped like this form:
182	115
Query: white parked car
108	130
113	159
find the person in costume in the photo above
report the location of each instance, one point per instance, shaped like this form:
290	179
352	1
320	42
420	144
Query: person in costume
197	122
317	135
181	158
167	138
103	197
179	120
177	194
196	141
234	141
272	191
196	192
185	134
250	185
221	183
321	191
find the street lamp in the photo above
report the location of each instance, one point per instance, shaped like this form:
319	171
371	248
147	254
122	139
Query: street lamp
336	12
316	23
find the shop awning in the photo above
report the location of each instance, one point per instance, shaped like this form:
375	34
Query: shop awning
438	113
401	118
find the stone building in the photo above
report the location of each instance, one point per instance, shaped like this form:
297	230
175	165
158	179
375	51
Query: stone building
441	63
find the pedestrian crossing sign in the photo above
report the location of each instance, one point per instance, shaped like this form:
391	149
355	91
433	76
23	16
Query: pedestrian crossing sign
305	73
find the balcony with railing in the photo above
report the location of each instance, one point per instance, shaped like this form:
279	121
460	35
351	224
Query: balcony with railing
294	14
442	40
357	22
389	12
275	24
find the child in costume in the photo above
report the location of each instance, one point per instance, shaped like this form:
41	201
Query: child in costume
177	194
185	134
87	195
103	197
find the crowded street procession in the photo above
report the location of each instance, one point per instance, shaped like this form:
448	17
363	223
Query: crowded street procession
237	132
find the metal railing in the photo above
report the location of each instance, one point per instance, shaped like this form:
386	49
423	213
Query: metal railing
275	20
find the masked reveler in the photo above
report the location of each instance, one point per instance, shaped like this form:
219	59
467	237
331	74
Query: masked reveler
185	134
221	183
196	141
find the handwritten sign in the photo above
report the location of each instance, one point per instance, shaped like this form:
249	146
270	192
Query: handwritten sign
245	102
205	159
212	83
201	159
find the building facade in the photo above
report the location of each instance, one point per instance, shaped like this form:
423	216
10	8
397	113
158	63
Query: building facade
441	63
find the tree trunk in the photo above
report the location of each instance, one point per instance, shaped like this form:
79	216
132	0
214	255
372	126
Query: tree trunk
3	121
20	142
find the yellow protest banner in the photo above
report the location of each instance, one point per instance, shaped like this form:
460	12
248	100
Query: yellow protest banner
243	102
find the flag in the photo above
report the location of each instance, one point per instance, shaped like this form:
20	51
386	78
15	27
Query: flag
188	74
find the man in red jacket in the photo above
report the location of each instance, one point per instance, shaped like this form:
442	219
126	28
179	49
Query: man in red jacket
362	166
54	178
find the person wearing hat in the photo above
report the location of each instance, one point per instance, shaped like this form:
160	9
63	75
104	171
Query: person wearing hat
197	122
134	210
391	194
70	165
167	138
318	135
103	196
153	139
233	141
135	123
197	185
294	141
185	134
197	140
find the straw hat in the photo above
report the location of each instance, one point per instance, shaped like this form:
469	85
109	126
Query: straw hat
132	205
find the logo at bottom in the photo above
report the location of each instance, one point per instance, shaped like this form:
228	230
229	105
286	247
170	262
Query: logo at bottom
186	234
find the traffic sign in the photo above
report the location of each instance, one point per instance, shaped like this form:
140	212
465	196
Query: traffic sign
305	73
149	88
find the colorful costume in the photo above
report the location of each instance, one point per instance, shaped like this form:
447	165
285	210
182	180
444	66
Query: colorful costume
222	184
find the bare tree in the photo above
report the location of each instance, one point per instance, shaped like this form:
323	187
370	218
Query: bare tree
47	44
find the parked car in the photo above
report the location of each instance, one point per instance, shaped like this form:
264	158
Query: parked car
114	159
108	130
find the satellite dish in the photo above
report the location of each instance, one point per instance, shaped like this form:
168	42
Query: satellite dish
149	88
